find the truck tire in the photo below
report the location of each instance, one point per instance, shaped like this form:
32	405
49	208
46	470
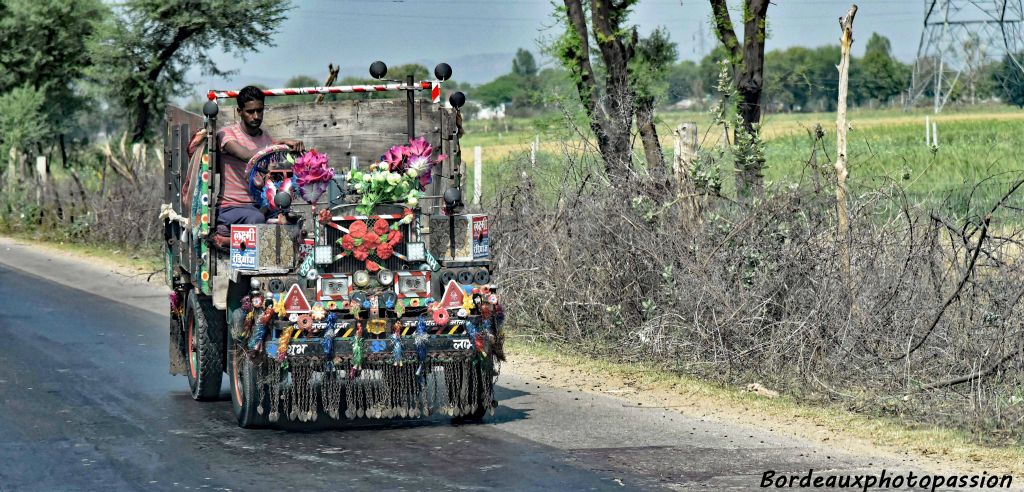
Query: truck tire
204	335
246	392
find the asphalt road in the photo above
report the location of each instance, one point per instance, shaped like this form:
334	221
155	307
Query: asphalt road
86	403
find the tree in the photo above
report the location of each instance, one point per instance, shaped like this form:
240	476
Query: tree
502	90
748	76
143	54
1009	81
23	126
878	76
684	81
608	103
524	70
648	73
801	79
524	65
44	52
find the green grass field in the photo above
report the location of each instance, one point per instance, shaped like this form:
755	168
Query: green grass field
974	144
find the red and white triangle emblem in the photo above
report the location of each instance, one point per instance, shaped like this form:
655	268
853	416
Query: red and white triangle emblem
295	301
453	296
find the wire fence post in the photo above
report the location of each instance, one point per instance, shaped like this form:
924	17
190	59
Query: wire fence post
533	150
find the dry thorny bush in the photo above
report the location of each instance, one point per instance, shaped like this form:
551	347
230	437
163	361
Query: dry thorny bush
114	205
928	327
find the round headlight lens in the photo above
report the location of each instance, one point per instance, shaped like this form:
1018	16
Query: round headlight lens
361	278
386	277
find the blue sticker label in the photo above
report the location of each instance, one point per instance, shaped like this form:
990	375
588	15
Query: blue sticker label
481	239
378	346
244	247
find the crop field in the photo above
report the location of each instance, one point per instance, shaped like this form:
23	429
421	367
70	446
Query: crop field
978	148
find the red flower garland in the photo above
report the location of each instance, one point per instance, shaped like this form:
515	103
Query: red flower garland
361	242
385	251
357	229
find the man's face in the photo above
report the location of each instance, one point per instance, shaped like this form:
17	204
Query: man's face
252	114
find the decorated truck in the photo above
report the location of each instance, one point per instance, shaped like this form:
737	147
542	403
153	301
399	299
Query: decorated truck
368	292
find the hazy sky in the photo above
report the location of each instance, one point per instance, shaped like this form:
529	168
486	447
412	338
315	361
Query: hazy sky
353	33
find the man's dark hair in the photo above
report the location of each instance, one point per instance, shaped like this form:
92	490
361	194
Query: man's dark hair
249	93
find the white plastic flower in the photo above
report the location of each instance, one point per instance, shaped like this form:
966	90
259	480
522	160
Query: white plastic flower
367	178
394	178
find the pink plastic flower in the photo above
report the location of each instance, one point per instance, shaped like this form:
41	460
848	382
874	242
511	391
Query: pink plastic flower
395	157
312	168
419	147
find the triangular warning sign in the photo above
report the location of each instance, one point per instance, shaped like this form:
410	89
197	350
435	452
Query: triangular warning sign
453	296
295	301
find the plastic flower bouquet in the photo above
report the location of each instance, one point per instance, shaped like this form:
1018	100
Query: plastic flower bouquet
312	173
399	177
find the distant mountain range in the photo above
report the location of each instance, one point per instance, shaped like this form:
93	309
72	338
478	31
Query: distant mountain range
475	69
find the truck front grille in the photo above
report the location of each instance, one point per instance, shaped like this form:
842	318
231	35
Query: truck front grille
349	264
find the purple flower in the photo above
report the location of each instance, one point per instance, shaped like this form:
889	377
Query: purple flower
312	168
419	147
395	157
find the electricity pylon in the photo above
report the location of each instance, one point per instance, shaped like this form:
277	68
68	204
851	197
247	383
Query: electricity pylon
959	37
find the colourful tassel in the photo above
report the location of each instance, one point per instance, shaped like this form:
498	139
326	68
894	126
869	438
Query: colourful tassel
282	343
328	339
357	352
420	341
396	350
476	337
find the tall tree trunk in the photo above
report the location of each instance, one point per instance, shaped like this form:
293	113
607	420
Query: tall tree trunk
610	114
748	75
649	137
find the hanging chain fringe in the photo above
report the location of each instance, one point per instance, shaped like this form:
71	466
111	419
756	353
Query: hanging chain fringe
455	387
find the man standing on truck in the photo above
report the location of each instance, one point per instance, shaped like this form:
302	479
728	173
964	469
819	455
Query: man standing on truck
237	144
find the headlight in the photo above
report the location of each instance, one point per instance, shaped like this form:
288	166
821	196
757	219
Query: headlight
332	287
361	278
323	255
255	283
386	277
410	285
415	252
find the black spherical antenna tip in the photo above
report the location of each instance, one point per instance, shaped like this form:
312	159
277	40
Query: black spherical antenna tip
211	108
378	70
283	199
443	71
453	197
457	99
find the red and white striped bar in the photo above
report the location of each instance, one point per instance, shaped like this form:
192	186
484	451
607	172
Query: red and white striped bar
433	87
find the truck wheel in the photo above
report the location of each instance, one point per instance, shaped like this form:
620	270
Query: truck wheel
246	391
204	335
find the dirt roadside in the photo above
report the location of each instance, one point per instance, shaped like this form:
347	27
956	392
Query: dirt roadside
924	448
